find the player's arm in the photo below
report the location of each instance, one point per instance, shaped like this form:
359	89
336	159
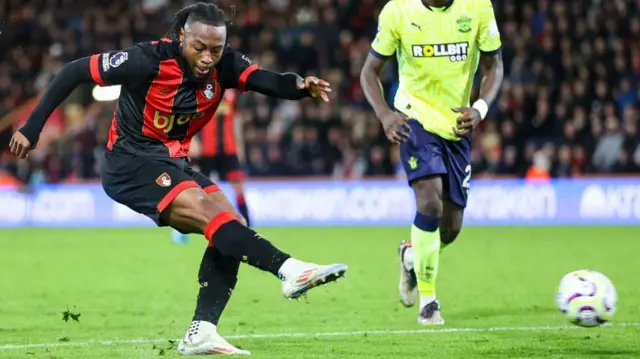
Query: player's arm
492	75
119	67
238	71
383	47
492	67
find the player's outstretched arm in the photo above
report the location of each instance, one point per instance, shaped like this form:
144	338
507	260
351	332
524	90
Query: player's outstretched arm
287	86
124	67
71	76
238	71
394	123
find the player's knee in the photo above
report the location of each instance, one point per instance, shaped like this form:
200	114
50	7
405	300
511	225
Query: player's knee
430	205
429	197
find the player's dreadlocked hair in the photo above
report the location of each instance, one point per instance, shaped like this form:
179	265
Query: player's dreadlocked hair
209	14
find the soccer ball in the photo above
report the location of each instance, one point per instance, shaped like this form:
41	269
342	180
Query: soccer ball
587	298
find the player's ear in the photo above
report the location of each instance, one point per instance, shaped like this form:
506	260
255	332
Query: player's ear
181	36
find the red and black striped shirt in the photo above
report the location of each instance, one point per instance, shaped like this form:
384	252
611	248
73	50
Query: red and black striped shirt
160	109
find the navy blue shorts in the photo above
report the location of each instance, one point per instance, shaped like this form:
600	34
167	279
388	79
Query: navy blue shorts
426	154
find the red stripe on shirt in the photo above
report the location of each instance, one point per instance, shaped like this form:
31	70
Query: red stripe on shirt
158	120
242	80
94	68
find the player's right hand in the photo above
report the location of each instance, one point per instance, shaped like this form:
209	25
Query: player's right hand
19	145
396	127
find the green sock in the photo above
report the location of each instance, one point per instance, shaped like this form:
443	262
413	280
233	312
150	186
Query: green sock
425	239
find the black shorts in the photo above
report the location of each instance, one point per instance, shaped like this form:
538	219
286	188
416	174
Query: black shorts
226	165
149	185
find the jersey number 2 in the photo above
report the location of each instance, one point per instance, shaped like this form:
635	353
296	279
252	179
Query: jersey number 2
467	178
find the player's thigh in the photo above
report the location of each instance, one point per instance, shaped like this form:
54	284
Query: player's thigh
192	210
423	162
214	192
458	165
147	186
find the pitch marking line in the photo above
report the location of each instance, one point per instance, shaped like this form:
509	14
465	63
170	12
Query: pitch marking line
319	334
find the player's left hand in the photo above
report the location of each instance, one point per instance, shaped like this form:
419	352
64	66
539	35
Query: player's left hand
468	120
316	87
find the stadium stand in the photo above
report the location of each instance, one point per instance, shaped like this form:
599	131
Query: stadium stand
569	106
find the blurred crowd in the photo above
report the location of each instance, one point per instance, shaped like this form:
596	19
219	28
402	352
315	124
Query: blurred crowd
569	105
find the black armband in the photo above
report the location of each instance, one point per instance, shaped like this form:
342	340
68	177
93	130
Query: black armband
274	84
71	76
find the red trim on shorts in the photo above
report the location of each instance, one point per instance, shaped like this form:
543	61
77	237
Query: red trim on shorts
173	193
94	68
242	80
211	189
218	221
235	176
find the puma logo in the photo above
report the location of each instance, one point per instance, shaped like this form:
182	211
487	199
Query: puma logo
416	26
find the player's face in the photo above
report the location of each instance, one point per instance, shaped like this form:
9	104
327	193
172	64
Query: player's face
202	47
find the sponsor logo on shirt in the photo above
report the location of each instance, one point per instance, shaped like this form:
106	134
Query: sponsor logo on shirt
456	52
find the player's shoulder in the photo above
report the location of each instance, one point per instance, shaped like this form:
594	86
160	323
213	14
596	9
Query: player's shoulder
230	54
159	50
390	7
475	4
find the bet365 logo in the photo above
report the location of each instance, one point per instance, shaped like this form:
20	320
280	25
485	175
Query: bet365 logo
456	52
168	121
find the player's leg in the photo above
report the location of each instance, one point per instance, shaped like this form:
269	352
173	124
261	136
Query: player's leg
217	278
193	210
458	163
218	273
424	165
231	171
450	227
425	240
162	190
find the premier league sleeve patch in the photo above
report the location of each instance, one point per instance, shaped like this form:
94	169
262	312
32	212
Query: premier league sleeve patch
118	59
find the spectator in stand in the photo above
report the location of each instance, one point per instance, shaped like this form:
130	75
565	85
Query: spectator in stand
571	91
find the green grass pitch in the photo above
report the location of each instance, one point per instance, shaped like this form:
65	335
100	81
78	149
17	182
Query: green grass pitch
135	290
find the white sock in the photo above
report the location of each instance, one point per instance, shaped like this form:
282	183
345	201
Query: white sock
424	300
288	266
407	258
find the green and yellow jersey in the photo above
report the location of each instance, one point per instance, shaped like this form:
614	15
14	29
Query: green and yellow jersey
438	51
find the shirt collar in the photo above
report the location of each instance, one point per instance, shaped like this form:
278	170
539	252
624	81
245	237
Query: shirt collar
446	5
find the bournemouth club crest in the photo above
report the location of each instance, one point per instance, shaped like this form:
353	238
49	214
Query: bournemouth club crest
164	180
209	91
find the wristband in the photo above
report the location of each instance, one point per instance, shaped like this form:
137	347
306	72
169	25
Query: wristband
482	107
